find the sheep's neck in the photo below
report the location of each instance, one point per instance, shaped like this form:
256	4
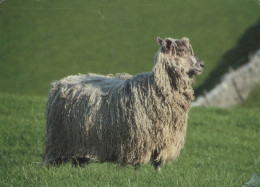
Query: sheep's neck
171	83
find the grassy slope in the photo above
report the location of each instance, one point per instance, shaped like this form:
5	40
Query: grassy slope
253	99
246	46
222	149
43	41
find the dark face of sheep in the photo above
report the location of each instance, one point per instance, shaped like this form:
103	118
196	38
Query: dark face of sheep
181	55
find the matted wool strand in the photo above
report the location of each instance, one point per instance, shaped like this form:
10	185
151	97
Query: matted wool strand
122	119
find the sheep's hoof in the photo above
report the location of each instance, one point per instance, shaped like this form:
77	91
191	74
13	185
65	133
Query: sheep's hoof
158	169
137	166
80	161
157	165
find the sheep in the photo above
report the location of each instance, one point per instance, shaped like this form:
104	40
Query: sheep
124	119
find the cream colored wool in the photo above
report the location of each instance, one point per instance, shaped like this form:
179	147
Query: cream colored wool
123	119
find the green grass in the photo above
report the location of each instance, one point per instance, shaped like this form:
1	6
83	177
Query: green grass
253	99
42	41
222	149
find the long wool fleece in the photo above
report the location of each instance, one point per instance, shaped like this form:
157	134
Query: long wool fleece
123	119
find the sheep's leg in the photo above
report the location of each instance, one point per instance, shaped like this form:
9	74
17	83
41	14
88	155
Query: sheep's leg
80	161
137	166
157	165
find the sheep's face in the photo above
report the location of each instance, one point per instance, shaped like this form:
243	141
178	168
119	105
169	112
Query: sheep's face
181	55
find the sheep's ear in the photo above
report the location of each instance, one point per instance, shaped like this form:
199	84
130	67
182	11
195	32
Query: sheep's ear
168	44
186	41
160	41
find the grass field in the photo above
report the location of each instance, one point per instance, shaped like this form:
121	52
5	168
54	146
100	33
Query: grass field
253	99
222	149
42	41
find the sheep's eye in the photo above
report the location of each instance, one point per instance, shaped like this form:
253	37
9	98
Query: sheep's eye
184	51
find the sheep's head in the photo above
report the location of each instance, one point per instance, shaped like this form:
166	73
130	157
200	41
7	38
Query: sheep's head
180	56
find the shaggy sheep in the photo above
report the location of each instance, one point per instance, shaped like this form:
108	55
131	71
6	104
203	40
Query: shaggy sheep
128	120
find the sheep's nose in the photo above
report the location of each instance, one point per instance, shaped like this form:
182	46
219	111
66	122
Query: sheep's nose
202	64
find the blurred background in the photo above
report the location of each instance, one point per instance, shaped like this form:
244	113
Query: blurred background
42	41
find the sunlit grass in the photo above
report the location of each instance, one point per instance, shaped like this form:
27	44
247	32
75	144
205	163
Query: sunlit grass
222	148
